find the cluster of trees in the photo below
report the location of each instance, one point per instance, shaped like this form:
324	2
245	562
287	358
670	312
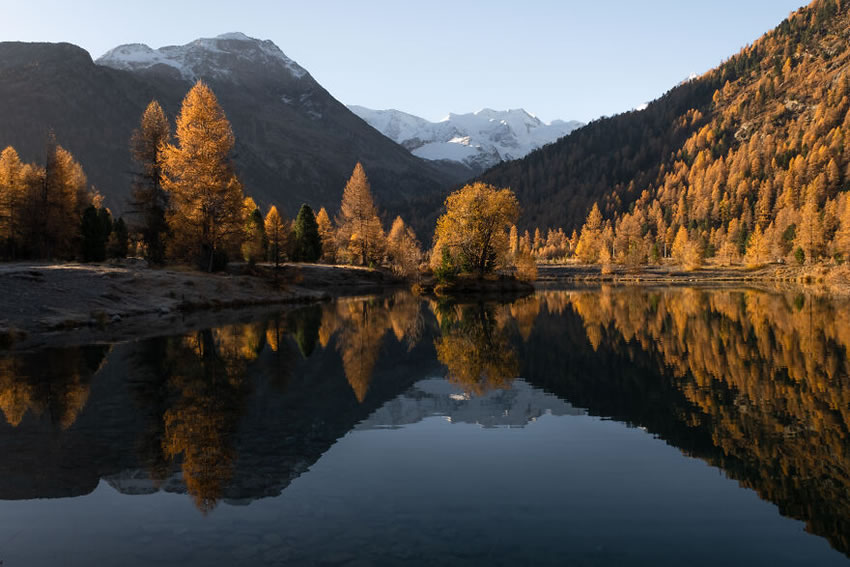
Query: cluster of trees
187	205
190	204
746	164
50	211
192	207
356	236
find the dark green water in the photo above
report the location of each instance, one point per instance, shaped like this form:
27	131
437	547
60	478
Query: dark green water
595	427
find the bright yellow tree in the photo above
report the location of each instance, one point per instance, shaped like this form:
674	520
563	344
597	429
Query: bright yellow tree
277	233
327	235
473	231
360	235
205	212
588	246
403	249
757	249
12	194
58	204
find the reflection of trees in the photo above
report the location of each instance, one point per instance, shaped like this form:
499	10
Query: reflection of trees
360	326
150	378
524	312
305	324
195	387
364	324
279	365
209	381
197	384
768	378
475	348
54	382
405	313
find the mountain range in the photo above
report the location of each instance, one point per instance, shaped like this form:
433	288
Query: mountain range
294	141
478	140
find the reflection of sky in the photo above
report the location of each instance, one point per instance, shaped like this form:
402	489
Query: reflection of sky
561	490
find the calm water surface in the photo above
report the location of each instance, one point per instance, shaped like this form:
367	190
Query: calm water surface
612	426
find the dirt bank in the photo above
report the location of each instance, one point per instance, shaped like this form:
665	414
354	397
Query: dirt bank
104	302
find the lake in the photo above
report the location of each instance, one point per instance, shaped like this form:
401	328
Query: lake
597	426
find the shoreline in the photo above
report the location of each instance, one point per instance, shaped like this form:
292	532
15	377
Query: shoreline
53	304
823	278
62	304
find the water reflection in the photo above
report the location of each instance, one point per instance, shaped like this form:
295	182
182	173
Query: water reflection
754	383
474	346
55	384
764	377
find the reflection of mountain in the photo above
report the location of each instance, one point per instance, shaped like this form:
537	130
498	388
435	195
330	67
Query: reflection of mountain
515	407
159	407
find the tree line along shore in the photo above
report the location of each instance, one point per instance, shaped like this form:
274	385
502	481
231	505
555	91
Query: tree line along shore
188	206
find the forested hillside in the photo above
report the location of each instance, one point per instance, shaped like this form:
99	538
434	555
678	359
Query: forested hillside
748	158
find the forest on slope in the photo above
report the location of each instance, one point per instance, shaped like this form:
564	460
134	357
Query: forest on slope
756	145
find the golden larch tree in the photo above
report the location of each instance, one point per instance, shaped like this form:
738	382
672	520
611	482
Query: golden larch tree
587	248
254	237
327	235
403	249
148	198
809	234
359	232
12	195
58	204
277	234
205	212
757	249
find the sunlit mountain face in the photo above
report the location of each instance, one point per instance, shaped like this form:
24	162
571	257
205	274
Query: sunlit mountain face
607	425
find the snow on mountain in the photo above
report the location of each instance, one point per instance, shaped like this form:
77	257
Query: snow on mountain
516	406
478	139
202	57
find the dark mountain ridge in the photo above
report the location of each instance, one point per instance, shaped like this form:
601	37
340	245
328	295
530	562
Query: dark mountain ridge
295	142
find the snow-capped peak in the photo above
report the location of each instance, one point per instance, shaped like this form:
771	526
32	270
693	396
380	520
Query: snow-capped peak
217	57
238	36
478	139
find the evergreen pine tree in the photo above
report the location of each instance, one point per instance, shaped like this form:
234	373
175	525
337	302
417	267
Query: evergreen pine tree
95	227
119	240
307	244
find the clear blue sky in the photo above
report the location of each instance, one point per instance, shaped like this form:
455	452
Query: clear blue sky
555	58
